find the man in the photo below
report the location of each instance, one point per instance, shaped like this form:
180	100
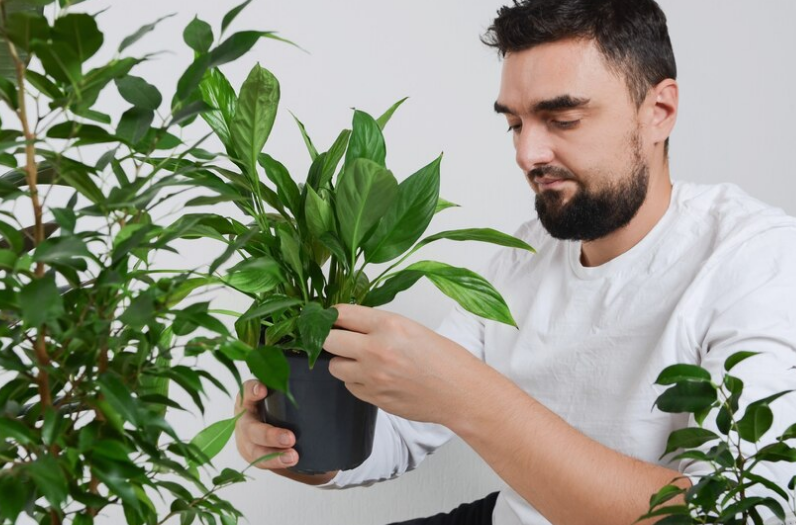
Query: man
633	273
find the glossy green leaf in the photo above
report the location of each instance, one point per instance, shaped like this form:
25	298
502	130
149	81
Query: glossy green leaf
269	305
366	141
286	187
139	92
777	452
118	397
387	115
318	213
140	32
64	171
307	140
408	217
270	367
8	93
63	65
79	33
187	112
22	27
332	159
211	440
478	234
665	494
134	124
13	237
232	14
314	324
333	243
687	438
237	45
198	35
14	494
757	418
362	196
691	396
49	479
291	252
255	115
40	301
16	430
467	288
736	358
85	133
218	93
255	275
682	372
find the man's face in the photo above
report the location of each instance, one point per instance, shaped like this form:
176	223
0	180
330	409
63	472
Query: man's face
577	138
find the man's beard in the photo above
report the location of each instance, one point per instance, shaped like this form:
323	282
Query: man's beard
591	215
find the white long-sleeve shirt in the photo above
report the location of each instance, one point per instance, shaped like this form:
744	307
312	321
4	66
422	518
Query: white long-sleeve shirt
716	275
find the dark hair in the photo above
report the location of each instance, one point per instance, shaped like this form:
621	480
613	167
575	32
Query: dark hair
630	34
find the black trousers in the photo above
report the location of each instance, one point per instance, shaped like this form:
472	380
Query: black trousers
475	513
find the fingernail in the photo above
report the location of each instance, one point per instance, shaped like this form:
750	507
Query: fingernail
256	389
284	439
288	458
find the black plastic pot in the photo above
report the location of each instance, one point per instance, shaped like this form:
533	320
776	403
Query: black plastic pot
334	430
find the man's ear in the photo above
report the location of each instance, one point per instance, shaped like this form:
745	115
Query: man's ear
661	106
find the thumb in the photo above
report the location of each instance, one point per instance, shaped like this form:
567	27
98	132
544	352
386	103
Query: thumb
253	392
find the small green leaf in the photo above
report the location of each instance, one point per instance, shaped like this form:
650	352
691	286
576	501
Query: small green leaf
269	365
212	439
688	438
366	142
776	452
23	27
232	14
387	115
198	35
255	275
63	65
118	397
143	30
255	115
49	479
79	33
314	324
665	494
14	494
139	92
318	214
331	160
134	124
59	249
478	234
681	372
307	140
269	305
757	419
40	301
691	396
736	358
217	92
395	284
291	252
286	187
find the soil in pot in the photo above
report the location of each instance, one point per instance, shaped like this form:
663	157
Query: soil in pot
334	430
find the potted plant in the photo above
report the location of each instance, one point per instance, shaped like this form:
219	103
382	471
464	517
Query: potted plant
732	447
307	247
92	332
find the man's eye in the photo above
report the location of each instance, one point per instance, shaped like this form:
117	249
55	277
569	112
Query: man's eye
514	127
565	124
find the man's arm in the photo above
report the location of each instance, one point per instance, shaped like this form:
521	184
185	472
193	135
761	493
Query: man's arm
412	372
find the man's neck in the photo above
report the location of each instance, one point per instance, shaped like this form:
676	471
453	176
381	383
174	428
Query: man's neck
600	251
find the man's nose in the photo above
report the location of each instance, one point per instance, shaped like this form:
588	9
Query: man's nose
533	147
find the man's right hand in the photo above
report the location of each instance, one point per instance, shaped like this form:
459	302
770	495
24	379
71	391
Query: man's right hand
256	439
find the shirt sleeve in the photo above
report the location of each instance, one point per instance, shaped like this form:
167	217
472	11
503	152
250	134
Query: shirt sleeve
751	306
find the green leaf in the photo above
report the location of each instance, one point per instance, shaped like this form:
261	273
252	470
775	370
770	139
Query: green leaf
681	372
478	234
467	288
270	367
13	238
43	84
255	275
217	92
688	396
387	115
364	193
291	252
366	142
86	133
392	286
307	140
665	494
8	92
14	495
134	124
777	452
139	92
23	27
318	214
236	46
286	187
186	113
40	301
16	430
198	35
53	427
688	438
330	161
269	305
408	217
64	171
212	439
790	433
314	324
49	479
757	419
118	397
232	14
736	358
255	115
78	32
143	30
332	242
63	65
59	249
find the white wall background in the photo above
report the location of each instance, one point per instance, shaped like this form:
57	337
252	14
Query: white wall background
737	124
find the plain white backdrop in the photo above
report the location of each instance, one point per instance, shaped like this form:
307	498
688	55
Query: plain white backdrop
737	123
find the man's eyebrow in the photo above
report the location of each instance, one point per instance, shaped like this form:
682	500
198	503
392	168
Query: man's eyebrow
560	103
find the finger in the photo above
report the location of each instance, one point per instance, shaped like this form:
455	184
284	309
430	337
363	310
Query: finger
357	318
253	393
265	435
286	457
346	370
345	343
